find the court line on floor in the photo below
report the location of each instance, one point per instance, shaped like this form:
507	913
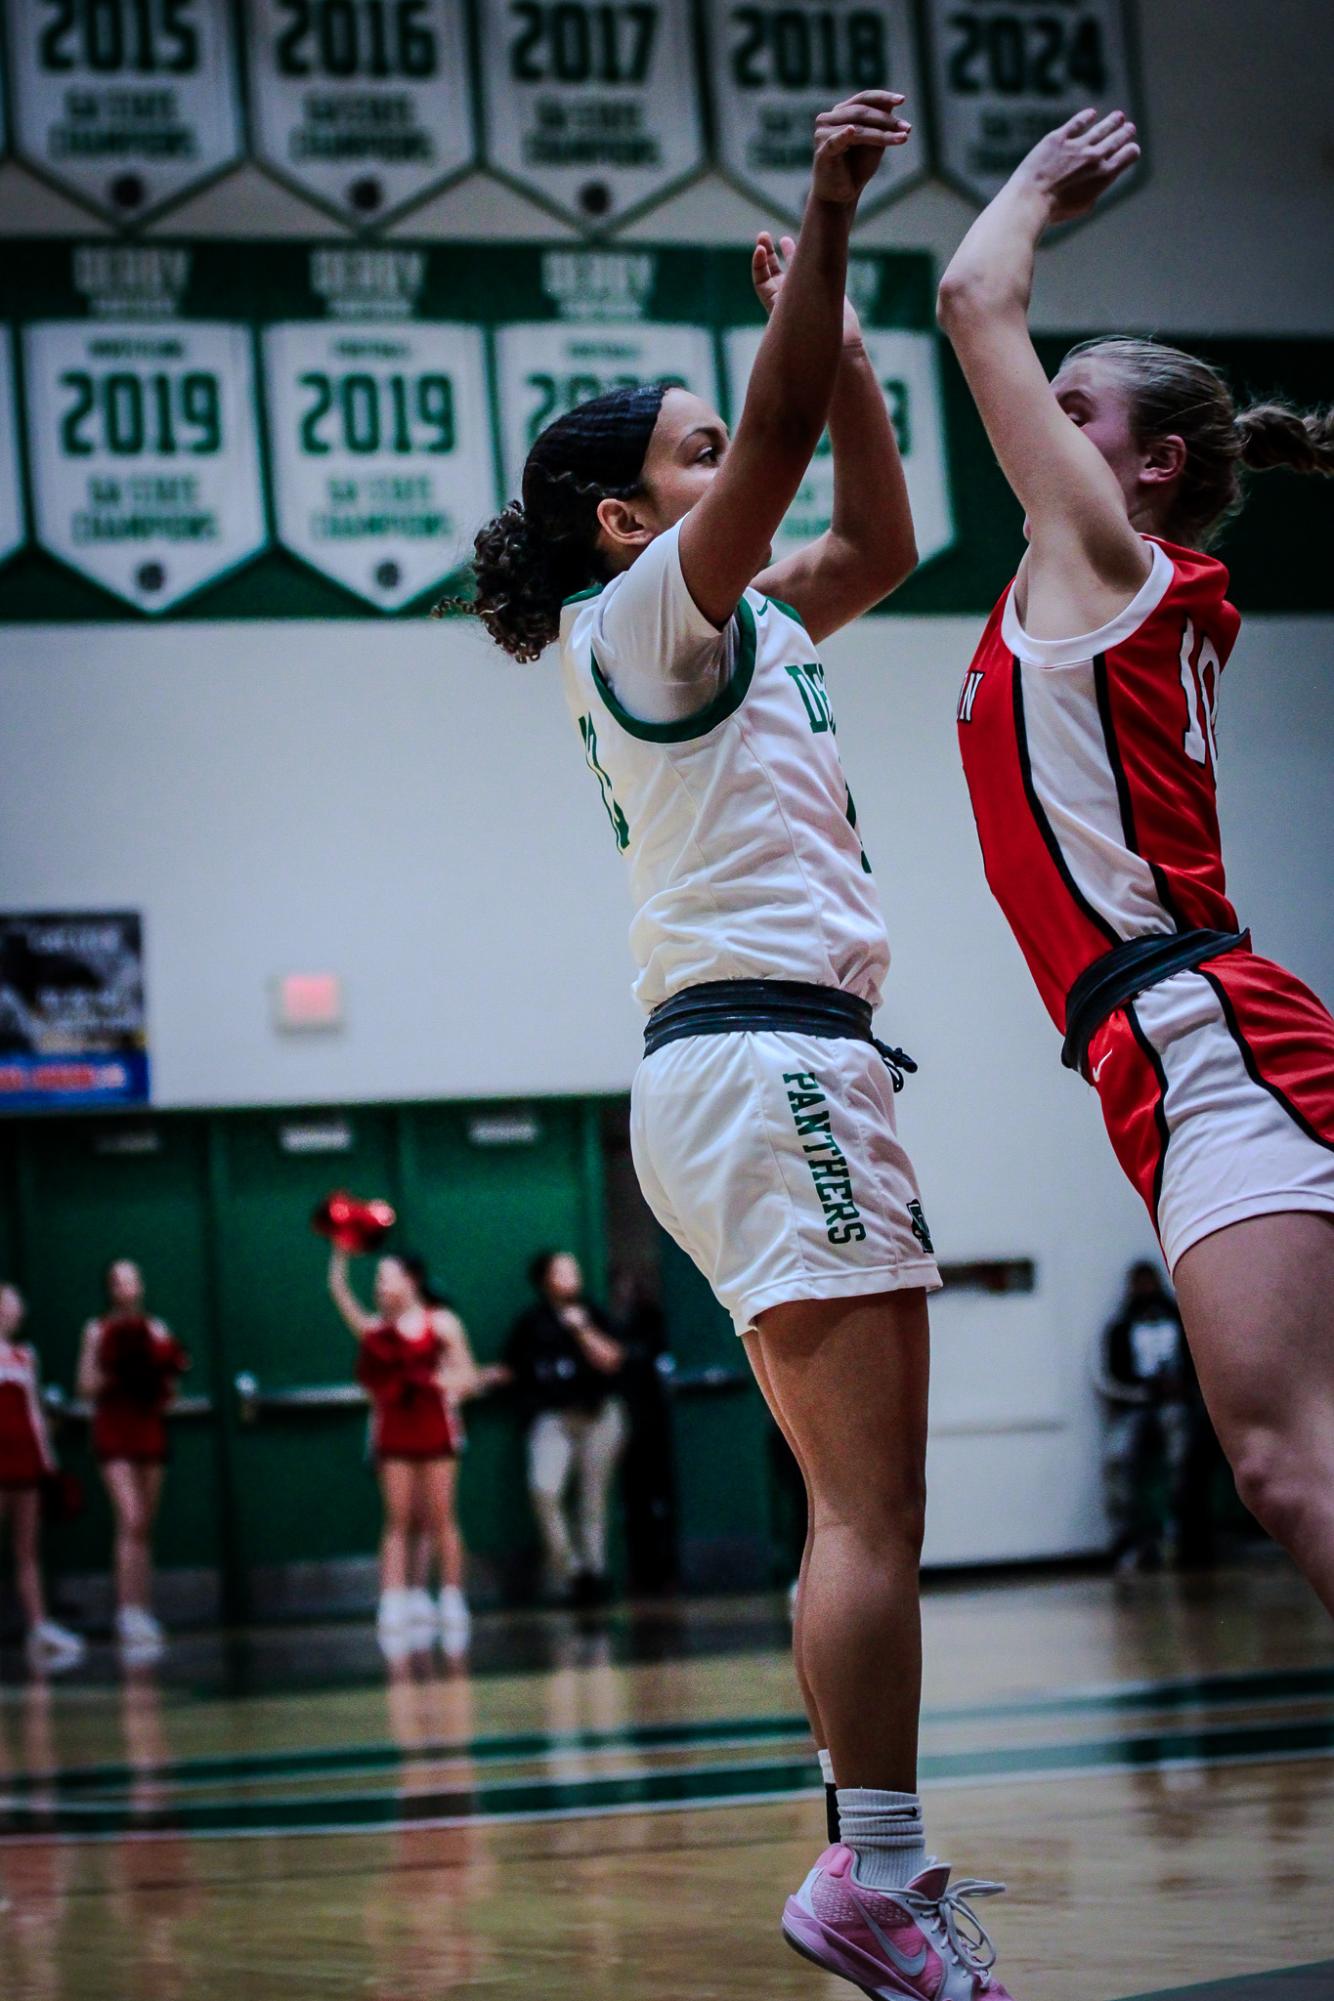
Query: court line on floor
1231	1690
510	1800
1315	1983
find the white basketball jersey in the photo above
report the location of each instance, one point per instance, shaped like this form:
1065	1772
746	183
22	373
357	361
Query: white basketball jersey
736	824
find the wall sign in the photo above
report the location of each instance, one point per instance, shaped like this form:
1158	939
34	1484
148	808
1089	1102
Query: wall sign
11	478
1003	72
72	1023
143	447
128	104
364	105
593	107
382	456
775	65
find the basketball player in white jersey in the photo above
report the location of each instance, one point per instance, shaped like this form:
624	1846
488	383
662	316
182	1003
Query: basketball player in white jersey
763	1114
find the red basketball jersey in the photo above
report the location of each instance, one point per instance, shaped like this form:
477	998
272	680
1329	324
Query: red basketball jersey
1091	768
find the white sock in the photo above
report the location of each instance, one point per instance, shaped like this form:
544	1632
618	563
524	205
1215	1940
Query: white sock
885	1833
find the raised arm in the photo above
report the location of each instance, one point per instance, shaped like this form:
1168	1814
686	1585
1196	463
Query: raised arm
1086	561
870	546
88	1380
726	538
357	1319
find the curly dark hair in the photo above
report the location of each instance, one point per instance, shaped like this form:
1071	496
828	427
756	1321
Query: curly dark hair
1175	393
541	549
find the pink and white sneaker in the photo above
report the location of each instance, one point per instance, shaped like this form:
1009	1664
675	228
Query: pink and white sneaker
921	1941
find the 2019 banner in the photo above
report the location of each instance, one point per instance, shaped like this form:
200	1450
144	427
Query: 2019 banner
237	429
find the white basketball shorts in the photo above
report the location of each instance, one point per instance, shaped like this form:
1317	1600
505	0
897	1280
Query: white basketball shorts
774	1162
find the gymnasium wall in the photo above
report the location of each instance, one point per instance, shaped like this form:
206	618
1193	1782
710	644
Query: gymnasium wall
397	803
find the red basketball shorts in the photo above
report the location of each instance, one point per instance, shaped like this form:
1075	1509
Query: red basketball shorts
1217	1088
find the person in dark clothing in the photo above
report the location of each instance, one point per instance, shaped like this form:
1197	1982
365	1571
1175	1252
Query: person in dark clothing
648	1487
1145	1376
562	1360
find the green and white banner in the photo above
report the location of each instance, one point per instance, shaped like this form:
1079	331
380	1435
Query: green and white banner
282	429
143	445
595	109
545	367
364	105
775	66
381	448
1003	72
128	104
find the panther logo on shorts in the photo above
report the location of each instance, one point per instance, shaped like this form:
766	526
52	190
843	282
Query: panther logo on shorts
919	1228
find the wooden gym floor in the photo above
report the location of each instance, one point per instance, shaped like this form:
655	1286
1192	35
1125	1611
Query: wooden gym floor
614	1811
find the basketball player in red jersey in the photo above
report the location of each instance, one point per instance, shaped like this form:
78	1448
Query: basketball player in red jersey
1091	765
129	1367
416	1366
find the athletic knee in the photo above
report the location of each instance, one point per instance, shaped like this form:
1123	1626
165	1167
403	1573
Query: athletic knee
888	1513
1276	1484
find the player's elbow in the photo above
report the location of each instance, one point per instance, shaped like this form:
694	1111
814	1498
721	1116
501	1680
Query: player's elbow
965	297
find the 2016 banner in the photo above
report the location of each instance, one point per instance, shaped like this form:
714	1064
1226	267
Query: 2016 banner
402	386
364	105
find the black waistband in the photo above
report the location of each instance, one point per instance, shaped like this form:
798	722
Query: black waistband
740	1007
1128	969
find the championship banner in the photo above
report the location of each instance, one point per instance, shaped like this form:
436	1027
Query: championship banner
382	455
72	1022
1003	72
907	365
143	449
775	65
592	107
544	368
11	476
364	105
128	104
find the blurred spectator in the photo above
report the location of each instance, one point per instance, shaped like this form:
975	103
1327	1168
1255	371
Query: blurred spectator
561	1359
647	1484
1145	1376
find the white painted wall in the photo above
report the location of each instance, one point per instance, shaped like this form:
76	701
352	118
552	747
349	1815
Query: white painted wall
401	805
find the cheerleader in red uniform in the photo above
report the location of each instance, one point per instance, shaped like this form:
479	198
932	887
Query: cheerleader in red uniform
26	1460
129	1369
417	1367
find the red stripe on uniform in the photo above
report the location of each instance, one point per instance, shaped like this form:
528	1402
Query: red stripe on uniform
1285	1036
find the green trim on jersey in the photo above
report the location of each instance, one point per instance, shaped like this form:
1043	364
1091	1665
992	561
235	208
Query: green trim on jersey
593	591
795	616
724	704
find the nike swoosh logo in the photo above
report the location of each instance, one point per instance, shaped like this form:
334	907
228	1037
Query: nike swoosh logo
1098	1068
911	1967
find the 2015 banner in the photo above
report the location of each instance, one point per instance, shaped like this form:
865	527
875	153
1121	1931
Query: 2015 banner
128	104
